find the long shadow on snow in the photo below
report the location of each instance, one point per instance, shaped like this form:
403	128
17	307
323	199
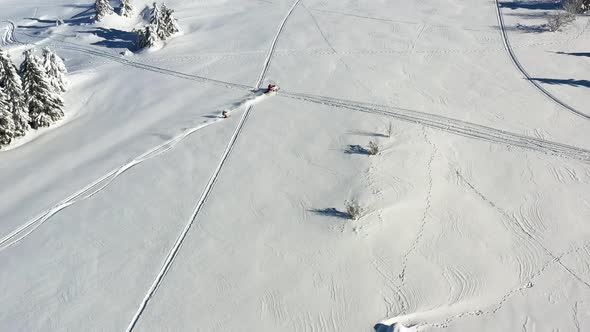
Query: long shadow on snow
538	28
83	18
570	82
331	212
356	149
389	328
114	38
533	5
576	54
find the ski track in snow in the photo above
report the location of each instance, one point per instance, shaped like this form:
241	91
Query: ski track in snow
175	249
60	44
100	184
526	75
429	120
453	126
433	121
438	122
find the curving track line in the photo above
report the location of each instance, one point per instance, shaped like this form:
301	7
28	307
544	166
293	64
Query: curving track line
177	245
450	125
526	75
95	187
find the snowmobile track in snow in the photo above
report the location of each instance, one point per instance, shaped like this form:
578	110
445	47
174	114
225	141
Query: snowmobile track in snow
526	75
96	186
453	126
206	192
139	65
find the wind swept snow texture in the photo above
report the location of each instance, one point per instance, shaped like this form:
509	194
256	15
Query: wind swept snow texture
146	210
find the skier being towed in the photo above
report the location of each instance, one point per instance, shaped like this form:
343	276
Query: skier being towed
270	88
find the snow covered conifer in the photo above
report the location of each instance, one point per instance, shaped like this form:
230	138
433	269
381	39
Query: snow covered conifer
13	91
56	70
170	25
147	37
156	17
28	54
125	8
102	8
45	105
6	121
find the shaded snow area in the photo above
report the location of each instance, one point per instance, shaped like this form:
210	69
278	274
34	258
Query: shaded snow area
145	209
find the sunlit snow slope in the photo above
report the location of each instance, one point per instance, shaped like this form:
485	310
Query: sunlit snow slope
143	210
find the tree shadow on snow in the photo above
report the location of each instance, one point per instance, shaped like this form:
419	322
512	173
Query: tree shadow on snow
389	328
114	38
356	149
538	28
570	82
83	18
531	5
331	212
576	54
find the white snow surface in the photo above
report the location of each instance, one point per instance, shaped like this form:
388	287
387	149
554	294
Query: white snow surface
144	210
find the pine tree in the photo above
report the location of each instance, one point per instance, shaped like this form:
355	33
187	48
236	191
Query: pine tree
170	25
12	85
155	15
45	106
56	70
6	122
125	8
2	72
24	66
157	20
102	8
147	37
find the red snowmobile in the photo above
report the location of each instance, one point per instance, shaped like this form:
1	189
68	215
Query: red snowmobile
272	88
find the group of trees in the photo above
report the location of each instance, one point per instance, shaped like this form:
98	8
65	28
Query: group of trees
162	22
162	25
576	6
30	97
103	8
571	8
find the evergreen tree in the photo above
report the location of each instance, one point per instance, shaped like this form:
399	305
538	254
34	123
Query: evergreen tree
2	71
56	70
13	91
170	25
24	66
45	106
156	19
125	8
155	14
102	8
147	37
6	121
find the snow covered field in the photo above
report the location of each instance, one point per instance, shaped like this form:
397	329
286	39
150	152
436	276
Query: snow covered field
143	210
